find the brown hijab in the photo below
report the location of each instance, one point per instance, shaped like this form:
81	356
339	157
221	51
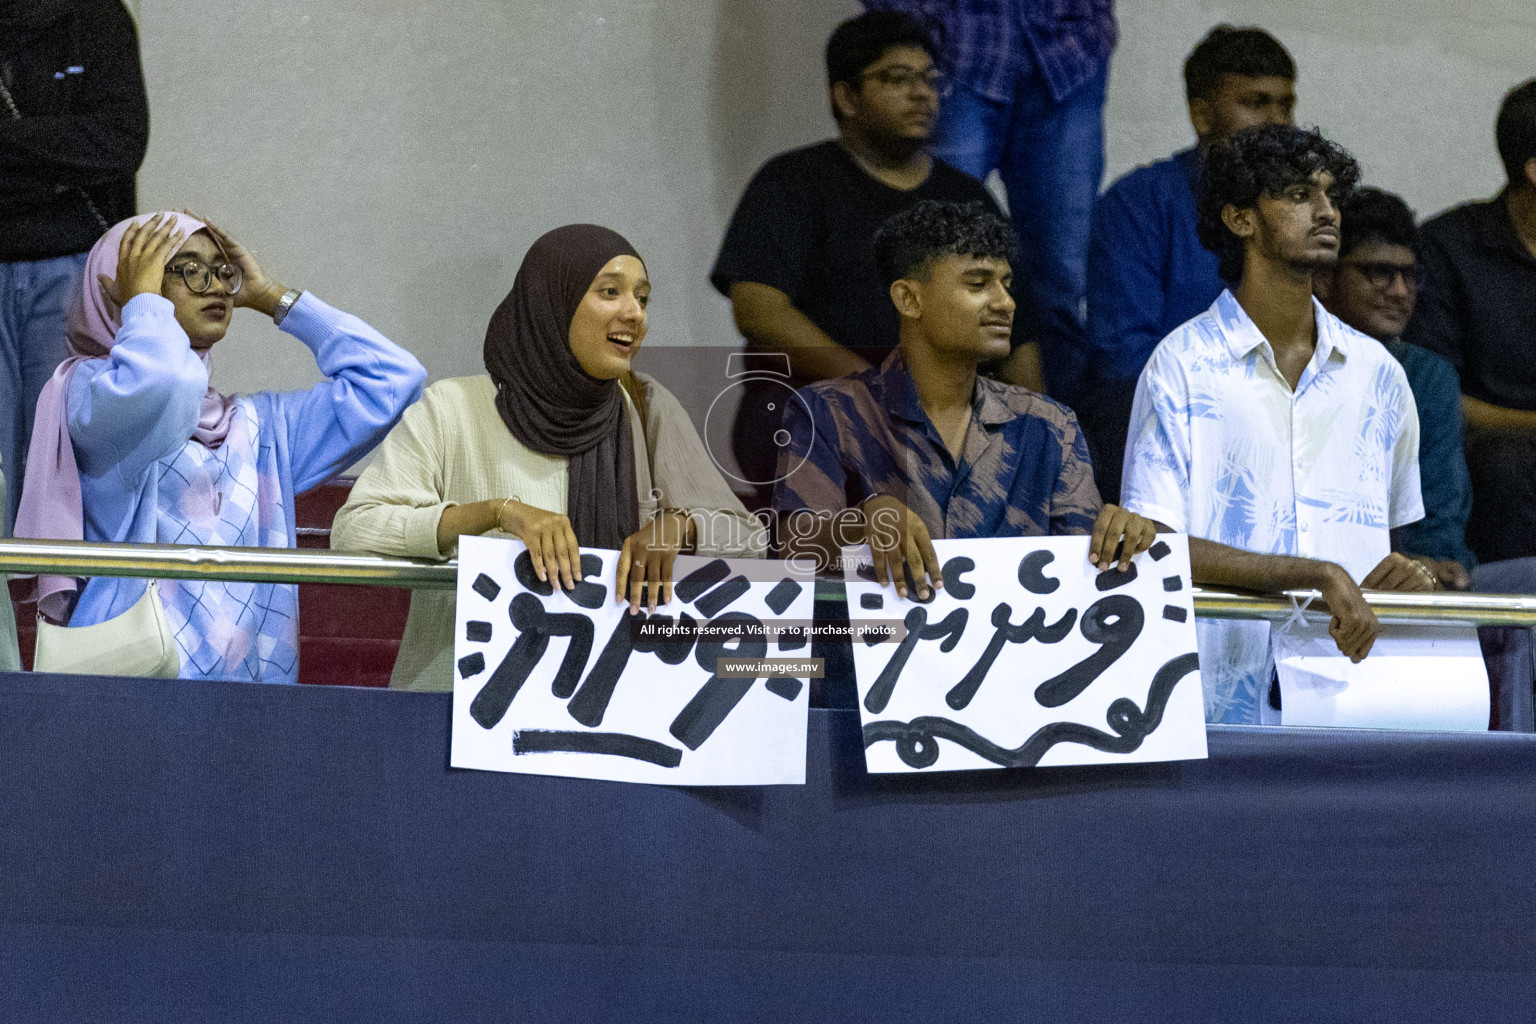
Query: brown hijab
547	400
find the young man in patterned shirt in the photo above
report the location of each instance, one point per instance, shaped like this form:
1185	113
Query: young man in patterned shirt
922	446
1284	442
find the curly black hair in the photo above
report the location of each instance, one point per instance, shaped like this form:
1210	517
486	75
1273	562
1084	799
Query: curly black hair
1371	215
1263	161
1228	50
908	241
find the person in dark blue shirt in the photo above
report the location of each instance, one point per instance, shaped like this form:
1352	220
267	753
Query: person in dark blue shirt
1372	288
1147	271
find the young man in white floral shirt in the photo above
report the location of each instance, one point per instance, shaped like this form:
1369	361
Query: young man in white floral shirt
1284	442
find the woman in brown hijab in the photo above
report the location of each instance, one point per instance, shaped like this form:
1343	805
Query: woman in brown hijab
561	445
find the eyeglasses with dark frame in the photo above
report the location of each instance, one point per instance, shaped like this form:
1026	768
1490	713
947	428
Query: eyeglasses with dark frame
199	276
902	77
1381	274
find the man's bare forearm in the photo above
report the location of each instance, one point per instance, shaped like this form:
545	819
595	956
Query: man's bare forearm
1352	625
1022	367
766	318
1221	565
1485	416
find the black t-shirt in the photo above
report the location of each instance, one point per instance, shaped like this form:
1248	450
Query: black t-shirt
806	226
72	69
1478	309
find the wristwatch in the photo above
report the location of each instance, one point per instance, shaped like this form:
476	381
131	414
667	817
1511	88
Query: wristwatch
284	304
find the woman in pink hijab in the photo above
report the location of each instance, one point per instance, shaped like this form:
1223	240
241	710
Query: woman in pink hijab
132	442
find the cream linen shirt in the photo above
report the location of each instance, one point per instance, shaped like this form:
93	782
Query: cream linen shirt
451	448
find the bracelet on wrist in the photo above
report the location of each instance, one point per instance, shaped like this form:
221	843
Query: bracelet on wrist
502	508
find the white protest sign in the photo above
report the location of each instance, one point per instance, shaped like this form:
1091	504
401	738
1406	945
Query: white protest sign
1414	678
1030	656
556	682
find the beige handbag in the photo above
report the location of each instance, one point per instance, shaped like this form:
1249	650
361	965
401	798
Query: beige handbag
135	643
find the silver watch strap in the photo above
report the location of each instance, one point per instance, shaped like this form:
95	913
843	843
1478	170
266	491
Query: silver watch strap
284	304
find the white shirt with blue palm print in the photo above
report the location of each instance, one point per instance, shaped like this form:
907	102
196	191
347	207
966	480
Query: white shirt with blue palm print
1221	447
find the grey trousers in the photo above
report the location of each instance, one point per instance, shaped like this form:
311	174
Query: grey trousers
1507	650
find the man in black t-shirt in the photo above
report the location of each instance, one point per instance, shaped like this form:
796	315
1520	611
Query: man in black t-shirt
798	259
1478	310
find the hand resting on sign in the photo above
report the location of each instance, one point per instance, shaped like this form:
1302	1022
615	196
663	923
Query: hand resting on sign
645	560
647	557
899	541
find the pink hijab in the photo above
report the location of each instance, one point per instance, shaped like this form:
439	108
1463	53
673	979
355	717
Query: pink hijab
51	506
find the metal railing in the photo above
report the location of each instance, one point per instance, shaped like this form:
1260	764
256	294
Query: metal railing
289	565
248	565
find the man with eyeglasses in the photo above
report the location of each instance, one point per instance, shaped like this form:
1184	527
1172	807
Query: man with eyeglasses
74	124
1372	288
797	261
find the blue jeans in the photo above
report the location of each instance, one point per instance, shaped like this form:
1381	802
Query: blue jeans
35	297
1050	157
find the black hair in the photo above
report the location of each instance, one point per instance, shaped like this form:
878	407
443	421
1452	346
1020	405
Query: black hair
859	42
1371	215
908	241
1516	131
1228	50
1263	161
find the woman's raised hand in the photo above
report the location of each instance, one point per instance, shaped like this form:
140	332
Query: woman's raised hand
146	248
258	291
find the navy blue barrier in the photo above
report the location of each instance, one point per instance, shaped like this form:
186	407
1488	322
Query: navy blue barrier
188	851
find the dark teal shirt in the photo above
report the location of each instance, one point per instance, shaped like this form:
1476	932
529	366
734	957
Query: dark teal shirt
1443	478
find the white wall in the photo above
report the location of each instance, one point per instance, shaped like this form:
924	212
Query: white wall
1411	87
398	158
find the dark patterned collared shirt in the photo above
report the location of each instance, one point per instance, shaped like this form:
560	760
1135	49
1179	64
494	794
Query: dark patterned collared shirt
1023	469
983	43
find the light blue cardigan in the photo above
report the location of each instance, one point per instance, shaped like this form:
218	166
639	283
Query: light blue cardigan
142	480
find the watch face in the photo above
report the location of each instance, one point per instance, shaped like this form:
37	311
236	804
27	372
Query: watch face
747	420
